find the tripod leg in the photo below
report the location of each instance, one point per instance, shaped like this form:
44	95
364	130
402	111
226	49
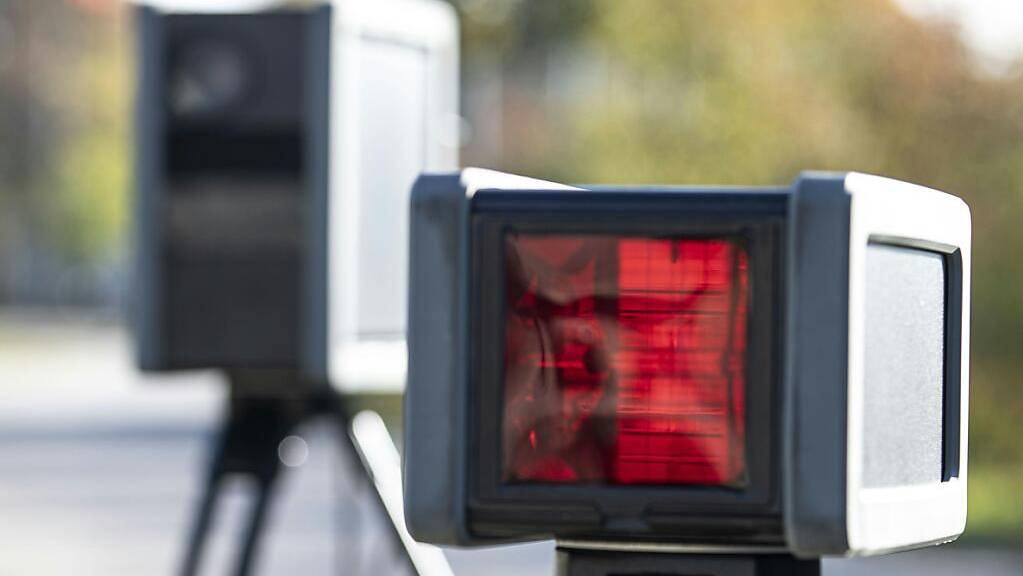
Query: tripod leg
381	465
352	458
250	431
200	528
204	513
257	520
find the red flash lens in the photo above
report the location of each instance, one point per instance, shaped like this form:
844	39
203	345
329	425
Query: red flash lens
625	360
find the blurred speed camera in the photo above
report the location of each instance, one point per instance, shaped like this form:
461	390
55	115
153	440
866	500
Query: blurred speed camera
688	369
275	151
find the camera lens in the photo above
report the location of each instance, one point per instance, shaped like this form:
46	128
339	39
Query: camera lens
208	76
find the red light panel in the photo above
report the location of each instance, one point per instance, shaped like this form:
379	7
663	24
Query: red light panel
625	360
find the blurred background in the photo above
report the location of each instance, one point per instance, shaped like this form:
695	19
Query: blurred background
644	91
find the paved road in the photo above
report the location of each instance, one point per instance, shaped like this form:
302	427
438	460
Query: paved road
100	466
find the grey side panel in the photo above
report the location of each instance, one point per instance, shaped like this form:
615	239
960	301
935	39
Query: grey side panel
146	298
435	397
816	375
317	181
904	365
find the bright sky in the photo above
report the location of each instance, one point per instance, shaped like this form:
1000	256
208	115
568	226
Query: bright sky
994	28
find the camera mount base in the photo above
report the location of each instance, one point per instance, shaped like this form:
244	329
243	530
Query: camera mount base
577	562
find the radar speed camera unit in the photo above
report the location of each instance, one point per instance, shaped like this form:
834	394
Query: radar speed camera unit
688	369
275	154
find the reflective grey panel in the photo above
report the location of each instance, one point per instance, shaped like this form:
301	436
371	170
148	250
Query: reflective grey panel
904	366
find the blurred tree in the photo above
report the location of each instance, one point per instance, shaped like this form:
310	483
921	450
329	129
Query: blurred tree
63	144
89	177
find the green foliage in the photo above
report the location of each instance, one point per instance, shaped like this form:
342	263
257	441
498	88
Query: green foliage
996	510
89	196
89	177
63	127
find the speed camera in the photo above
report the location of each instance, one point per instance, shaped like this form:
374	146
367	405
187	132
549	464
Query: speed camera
762	369
275	151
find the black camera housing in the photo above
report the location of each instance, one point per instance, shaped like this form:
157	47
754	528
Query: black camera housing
829	258
231	189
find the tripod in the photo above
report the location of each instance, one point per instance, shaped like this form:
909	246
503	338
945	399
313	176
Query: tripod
264	408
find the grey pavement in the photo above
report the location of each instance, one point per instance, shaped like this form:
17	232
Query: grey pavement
100	467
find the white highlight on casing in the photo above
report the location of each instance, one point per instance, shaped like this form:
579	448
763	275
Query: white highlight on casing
210	6
476	179
375	366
